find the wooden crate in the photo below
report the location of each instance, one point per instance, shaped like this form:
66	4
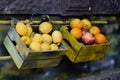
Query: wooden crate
25	58
78	52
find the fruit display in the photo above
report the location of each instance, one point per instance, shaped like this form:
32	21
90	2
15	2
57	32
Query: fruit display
85	32
111	60
45	39
85	41
42	40
29	43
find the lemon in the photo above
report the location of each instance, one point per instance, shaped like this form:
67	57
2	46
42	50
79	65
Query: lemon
86	24
37	38
35	46
53	47
45	27
45	46
47	38
26	40
29	28
57	37
21	28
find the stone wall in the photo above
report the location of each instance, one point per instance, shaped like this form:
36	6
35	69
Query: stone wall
62	7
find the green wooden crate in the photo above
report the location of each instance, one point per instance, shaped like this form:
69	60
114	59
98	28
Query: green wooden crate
25	58
78	52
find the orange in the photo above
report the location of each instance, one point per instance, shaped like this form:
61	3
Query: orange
100	38
75	23
76	33
94	30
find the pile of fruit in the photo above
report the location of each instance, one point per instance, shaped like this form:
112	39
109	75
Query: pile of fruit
85	32
45	39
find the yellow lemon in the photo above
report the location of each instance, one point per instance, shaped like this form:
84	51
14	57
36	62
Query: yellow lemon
21	28
47	38
57	37
29	28
86	24
26	40
37	38
45	46
45	27
35	46
54	47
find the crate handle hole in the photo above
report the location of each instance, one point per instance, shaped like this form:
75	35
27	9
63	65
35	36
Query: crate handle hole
14	43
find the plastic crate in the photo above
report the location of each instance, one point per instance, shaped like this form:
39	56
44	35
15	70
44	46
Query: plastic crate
25	58
78	52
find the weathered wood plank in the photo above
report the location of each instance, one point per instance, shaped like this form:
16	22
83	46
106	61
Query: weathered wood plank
13	52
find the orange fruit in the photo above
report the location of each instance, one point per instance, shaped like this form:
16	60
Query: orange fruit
76	33
100	38
75	23
94	30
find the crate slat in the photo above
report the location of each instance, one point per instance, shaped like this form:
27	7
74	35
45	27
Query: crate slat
13	52
41	63
17	40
